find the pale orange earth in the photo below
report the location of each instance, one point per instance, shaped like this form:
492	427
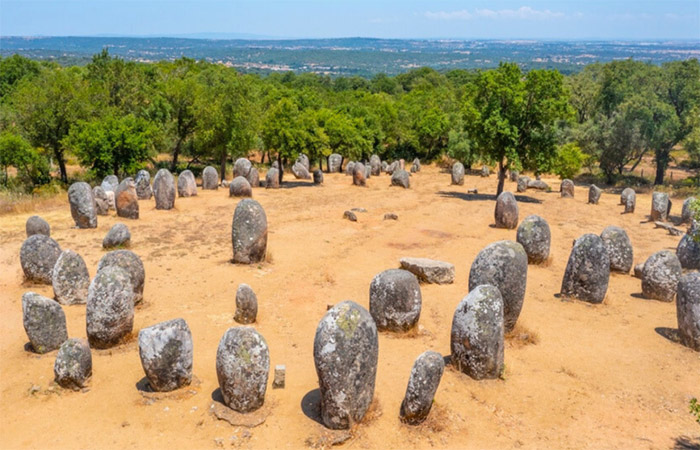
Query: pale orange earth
577	375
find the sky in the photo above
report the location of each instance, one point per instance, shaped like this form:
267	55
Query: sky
430	19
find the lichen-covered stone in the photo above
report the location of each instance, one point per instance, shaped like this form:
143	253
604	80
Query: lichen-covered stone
458	174
335	163
37	225
102	202
300	171
659	206
117	236
253	177
503	264
391	168
210	178
400	178
567	188
38	256
359	175
164	189
639	270
166	355
688	310
110	307
243	367
537	184
588	270
246	305
375	165
395	300
304	161
318	176
349	167
485	171
535	237
523	183
662	271
110	183
477	337
429	270
594	193
422	385
415	166
82	205
70	279
514	174
241	167
73	366
628	198
249	232
688	250
240	187
686	211
345	355
272	179
619	249
506	212
186	184
126	199
131	264
143	185
44	321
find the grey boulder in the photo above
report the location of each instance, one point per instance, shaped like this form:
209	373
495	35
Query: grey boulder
110	307
335	162
110	183
688	310
272	179
37	225
375	165
429	270
126	200
249	232
359	175
523	182
73	366
143	185
210	178
458	174
44	321
246	305
422	385
567	188
686	211
628	199
38	256
594	194
241	167
70	279
688	250
164	189
117	236
588	271
400	178
318	176
166	355
131	264
619	248
240	187
253	177
82	205
535	237
662	271
395	300
186	184
300	171
102	202
506	212
659	206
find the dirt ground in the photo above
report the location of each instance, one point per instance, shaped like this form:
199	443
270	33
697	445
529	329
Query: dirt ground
577	375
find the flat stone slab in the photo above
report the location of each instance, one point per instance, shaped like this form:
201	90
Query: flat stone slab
248	420
430	270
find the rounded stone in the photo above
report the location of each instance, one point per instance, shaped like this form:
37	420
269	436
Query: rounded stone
166	355
38	256
304	161
350	168
662	271
272	179
126	199
688	250
102	202
318	176
253	177
44	321
164	189
345	355
659	206
375	165
503	264
523	183
686	211
506	212
240	187
391	168
335	163
246	305
131	264
359	175
477	337
619	248
588	270
82	205
422	384
70	279
594	193
73	366
514	174
242	367
300	171
485	171
395	300
110	307
110	183
567	188
535	237
400	178
117	236
688	310
143	185
37	225
385	166
458	173
628	198
249	232
186	184
210	178
241	167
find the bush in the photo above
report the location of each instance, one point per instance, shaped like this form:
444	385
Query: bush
568	161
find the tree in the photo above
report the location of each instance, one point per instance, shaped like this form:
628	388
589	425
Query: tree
12	70
181	90
17	152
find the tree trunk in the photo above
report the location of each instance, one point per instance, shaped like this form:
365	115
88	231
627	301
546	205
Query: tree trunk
223	166
61	165
262	158
660	169
176	153
279	167
501	177
662	158
320	163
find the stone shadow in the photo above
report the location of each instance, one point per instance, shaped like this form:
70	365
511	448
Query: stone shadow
485	197
311	405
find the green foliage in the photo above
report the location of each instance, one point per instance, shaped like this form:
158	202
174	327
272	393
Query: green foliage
15	151
695	409
568	160
13	70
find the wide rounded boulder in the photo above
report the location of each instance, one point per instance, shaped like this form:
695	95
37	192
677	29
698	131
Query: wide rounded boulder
38	256
249	232
186	184
131	264
110	307
70	279
164	189
126	199
535	237
37	225
619	248
82	205
422	384
395	300
44	321
660	277
210	178
304	161
73	366
588	270
240	187
300	171
401	178
166	355
688	310
117	236
506	212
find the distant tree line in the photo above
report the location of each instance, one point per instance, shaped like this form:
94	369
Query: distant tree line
114	116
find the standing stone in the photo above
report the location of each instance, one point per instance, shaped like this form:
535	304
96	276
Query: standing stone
503	264
628	198
385	166
318	176
131	264
246	304
111	201
688	310
345	356
101	201
242	367
662	271
415	167
619	248
659	206
82	205
240	187
400	178
110	307
249	232
588	270
458	174
535	237
594	194
300	172
166	355
485	171
335	162
210	178
402	164
37	257
117	236
275	165
375	165
429	270
688	250
350	168
253	177
164	189
73	366
537	184
506	213
143	185
304	161
477	337
272	179
44	322
186	184
358	175
70	279
37	225
395	300
523	183
368	171
567	188
241	167
110	183
391	168
422	385
514	174
687	212
126	199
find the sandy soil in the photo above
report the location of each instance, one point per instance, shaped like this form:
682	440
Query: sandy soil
577	375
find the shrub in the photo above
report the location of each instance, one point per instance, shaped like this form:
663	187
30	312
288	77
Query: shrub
568	161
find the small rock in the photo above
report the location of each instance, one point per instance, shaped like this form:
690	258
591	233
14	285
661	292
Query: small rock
686	212
350	216
537	184
395	300
73	366
523	182
639	270
359	175
594	193
628	198
117	236
535	237
249	232
186	184
278	382
422	385
44	321
164	189
619	249
318	176
131	264
485	171
688	310
429	270
659	206
272	180
210	178
391	216
506	212
400	178
37	225
246	305
240	187
102	202
82	205
588	270
143	185
126	199
37	257
458	174
662	271
70	279
567	188
110	307
166	355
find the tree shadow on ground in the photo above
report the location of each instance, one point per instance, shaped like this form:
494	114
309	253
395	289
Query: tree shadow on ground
311	405
484	197
296	184
669	333
686	443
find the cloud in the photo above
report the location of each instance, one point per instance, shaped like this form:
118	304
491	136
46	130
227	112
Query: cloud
523	13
